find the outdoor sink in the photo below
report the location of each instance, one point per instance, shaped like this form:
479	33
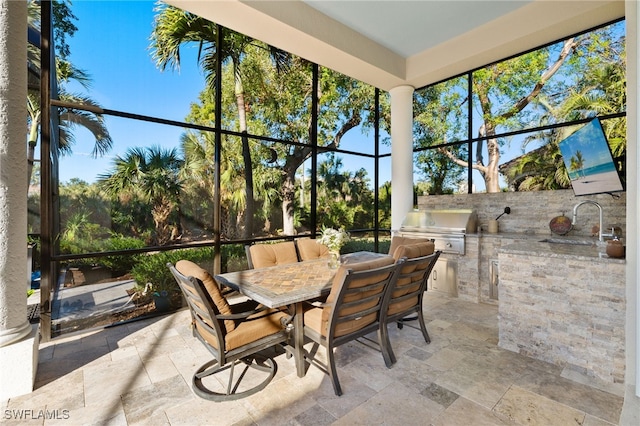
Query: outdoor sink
566	241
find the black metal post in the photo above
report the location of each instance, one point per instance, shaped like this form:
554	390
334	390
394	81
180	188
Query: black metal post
47	272
217	204
314	150
376	170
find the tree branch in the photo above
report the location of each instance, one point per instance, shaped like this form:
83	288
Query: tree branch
523	102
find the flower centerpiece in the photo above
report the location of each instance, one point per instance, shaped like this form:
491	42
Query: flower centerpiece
334	239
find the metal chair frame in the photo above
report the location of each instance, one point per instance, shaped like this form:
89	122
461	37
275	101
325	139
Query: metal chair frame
378	289
400	317
204	317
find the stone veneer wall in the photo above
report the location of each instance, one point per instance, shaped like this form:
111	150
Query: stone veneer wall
531	212
567	311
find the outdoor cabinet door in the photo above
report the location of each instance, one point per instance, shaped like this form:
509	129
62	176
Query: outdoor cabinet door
444	277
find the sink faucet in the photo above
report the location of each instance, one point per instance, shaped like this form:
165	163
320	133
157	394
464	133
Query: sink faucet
575	217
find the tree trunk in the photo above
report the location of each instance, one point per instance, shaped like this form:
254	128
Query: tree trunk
33	141
288	198
490	171
246	157
491	175
160	213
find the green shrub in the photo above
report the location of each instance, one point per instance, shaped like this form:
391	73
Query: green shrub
365	244
234	258
124	262
152	267
80	235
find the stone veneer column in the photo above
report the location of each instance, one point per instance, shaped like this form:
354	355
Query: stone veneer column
401	154
17	336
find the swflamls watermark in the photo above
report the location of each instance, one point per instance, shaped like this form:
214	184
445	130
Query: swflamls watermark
22	414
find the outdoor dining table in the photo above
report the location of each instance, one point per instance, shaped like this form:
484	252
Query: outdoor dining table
290	285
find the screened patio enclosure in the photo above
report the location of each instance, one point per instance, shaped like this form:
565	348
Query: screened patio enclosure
270	166
391	72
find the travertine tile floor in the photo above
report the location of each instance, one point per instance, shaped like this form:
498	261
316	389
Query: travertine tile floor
140	373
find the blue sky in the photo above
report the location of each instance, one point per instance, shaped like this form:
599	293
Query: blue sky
112	45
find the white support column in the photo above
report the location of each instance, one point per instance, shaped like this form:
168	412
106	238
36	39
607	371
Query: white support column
630	414
17	336
401	154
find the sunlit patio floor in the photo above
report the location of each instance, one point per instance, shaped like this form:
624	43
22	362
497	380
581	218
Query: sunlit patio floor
140	373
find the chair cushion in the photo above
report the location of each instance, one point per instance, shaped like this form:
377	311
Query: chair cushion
318	318
264	255
190	269
255	327
403	305
406	285
397	241
414	248
313	319
311	249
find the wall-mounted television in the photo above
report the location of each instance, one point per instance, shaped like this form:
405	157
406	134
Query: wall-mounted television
587	157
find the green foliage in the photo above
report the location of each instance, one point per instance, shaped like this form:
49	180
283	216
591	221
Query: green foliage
131	217
124	262
384	205
441	116
234	258
81	235
344	198
576	78
78	197
150	175
152	267
366	244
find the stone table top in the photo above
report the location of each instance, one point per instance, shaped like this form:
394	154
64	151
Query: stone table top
283	285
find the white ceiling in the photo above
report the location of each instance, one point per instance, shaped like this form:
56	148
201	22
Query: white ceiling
408	27
416	42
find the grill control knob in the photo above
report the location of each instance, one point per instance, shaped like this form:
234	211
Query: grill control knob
449	245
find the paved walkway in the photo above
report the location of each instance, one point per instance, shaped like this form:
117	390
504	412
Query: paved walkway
91	299
85	306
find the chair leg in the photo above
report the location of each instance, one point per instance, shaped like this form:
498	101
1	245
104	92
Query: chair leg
257	362
333	373
385	346
423	327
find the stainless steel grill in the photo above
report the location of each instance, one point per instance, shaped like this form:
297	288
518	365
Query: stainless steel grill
447	227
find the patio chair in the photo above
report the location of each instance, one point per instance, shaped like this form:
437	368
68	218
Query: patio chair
352	310
397	241
235	334
264	255
406	296
311	249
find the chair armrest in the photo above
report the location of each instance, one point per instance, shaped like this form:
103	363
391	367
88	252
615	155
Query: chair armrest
242	315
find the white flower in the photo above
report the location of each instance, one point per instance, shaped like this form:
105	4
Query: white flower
333	239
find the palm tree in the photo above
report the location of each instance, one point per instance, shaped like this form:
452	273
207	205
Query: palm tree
199	165
69	118
151	174
577	163
175	28
331	182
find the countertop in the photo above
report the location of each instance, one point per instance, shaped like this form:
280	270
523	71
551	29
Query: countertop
561	247
576	247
